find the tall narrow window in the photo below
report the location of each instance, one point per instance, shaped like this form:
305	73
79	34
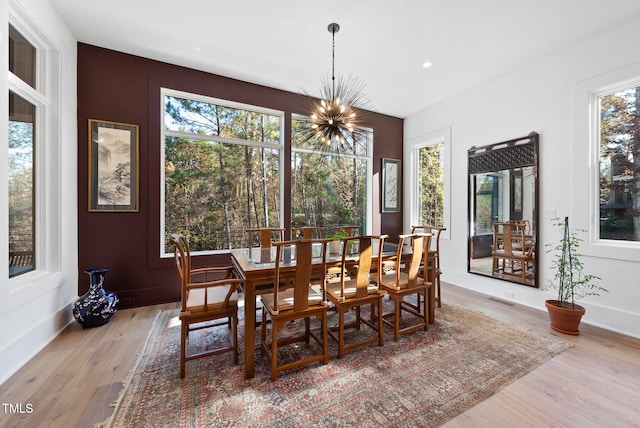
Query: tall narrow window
431	184
21	138
620	165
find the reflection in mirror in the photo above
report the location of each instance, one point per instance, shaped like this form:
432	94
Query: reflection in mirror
503	212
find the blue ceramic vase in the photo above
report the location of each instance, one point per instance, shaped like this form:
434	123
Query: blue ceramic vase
96	306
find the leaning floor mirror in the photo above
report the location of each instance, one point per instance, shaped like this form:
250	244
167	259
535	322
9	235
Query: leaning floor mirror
503	210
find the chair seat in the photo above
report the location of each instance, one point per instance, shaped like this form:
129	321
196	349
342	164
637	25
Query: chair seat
403	282
215	298
514	254
333	289
285	300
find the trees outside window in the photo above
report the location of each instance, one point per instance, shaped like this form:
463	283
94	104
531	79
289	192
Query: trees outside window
221	170
329	188
620	164
431	184
22	143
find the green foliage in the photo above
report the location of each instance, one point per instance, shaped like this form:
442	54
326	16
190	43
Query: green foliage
223	179
431	184
338	235
619	171
570	281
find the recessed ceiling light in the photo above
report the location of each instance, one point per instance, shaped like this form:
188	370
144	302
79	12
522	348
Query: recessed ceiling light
427	64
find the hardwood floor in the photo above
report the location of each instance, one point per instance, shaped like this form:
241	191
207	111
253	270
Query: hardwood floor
76	378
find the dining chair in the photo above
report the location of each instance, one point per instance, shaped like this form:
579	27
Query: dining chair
208	294
434	255
354	289
265	236
512	253
307	232
293	298
404	281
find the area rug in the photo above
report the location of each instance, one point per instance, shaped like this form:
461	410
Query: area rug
424	379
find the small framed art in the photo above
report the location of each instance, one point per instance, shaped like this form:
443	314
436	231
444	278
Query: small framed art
390	185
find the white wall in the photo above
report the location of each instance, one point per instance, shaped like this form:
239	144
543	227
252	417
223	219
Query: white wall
539	97
36	306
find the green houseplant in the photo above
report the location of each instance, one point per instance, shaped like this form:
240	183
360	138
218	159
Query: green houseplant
570	282
334	245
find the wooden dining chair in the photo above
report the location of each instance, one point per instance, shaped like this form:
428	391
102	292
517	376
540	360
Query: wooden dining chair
293	298
265	236
403	282
207	295
354	289
512	254
434	256
307	232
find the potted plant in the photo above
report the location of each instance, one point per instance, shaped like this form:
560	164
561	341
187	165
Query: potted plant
334	245
570	282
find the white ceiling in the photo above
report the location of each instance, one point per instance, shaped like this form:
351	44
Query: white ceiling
285	44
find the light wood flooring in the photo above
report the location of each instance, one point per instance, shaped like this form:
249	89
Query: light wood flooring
76	378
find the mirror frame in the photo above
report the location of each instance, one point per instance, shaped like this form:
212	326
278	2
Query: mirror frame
506	155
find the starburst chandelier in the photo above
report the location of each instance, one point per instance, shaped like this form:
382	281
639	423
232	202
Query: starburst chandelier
335	118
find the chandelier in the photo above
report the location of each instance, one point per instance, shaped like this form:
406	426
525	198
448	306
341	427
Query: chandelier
335	118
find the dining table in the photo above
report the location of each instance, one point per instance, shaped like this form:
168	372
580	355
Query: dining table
256	267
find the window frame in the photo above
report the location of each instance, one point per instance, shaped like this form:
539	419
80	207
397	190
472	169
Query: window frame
164	132
586	163
368	158
442	135
40	99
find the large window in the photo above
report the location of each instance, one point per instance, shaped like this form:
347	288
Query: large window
429	180
221	166
330	188
619	151
22	142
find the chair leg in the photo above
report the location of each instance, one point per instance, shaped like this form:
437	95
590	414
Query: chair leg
183	347
426	310
380	323
235	338
340	332
438	294
325	338
396	321
274	350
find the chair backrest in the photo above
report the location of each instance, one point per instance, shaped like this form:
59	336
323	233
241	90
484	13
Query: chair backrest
307	232
182	259
434	231
363	263
302	250
417	257
266	236
507	237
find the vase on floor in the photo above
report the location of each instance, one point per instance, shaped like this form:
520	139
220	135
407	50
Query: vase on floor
96	306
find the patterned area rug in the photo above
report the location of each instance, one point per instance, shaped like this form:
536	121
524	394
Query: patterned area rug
424	379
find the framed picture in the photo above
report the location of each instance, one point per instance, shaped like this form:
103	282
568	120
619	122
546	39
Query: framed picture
390	185
113	167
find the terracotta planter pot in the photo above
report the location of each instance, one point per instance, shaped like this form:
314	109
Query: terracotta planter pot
564	319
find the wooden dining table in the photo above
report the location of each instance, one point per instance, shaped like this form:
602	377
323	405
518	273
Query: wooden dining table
256	267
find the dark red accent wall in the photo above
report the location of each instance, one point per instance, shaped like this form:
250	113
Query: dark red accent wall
118	87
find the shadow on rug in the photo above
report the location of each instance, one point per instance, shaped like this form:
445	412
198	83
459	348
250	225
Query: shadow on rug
424	379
